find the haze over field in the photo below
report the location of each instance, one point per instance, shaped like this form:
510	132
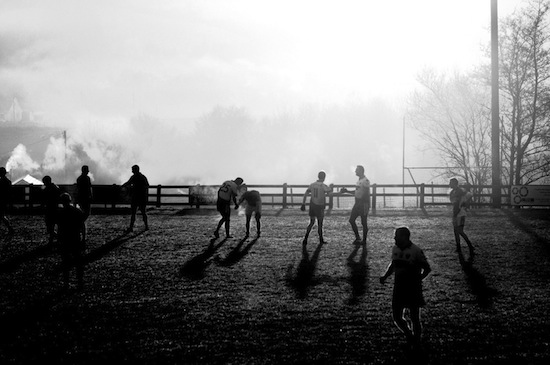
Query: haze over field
203	91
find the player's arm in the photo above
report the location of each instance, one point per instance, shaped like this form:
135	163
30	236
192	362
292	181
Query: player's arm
389	271
303	207
425	266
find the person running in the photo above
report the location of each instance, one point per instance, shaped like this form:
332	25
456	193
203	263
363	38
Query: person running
459	200
253	201
318	191
51	202
84	193
71	236
139	192
361	206
410	266
226	193
5	187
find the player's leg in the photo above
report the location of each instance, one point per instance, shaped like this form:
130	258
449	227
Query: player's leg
365	228
463	235
353	217
398	313
134	209
258	217
220	206
416	325
143	209
309	227
320	220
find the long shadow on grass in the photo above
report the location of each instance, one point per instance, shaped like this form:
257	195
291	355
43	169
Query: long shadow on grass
103	250
516	221
359	271
305	273
237	254
13	263
194	268
477	282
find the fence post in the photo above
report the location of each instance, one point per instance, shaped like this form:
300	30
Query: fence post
373	198
330	197
159	190
113	197
422	191
285	188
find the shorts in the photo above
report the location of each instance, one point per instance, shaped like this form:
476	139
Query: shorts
316	211
409	296
254	208
360	209
224	207
459	221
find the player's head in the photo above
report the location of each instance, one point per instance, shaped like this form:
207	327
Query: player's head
243	188
3	171
402	236
135	169
65	198
322	175
453	183
85	169
47	180
238	181
359	170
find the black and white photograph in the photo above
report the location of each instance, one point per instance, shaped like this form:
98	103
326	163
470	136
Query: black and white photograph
275	182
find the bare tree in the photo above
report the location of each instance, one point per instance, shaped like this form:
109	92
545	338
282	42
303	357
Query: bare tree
525	94
452	113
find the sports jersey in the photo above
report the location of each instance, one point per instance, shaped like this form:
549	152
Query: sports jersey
318	192
455	197
408	263
251	197
362	189
84	188
139	186
228	190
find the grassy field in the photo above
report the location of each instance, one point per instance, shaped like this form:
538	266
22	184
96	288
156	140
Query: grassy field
172	295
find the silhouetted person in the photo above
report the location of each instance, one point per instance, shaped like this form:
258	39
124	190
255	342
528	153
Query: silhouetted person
318	191
84	193
139	192
253	201
361	206
71	236
459	198
51	202
226	193
5	195
410	267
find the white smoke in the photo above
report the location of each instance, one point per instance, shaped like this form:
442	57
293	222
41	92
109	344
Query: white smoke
20	160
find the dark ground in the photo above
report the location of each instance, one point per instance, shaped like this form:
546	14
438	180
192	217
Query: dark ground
170	295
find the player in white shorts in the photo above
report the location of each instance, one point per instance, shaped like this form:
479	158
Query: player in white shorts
361	206
318	191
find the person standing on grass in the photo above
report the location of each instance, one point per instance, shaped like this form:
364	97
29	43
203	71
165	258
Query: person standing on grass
410	266
318	191
51	202
84	193
253	201
459	200
71	236
361	206
5	188
139	192
226	193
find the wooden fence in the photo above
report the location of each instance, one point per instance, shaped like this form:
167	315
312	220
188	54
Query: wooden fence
383	196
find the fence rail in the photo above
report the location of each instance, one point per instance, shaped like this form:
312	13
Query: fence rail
383	196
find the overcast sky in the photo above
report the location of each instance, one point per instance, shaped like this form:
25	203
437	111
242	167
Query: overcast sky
108	60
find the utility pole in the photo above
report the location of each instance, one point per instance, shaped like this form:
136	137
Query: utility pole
495	130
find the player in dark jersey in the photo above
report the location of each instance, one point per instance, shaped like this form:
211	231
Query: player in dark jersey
318	191
71	236
410	267
84	191
51	195
253	201
226	193
139	191
5	187
459	199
